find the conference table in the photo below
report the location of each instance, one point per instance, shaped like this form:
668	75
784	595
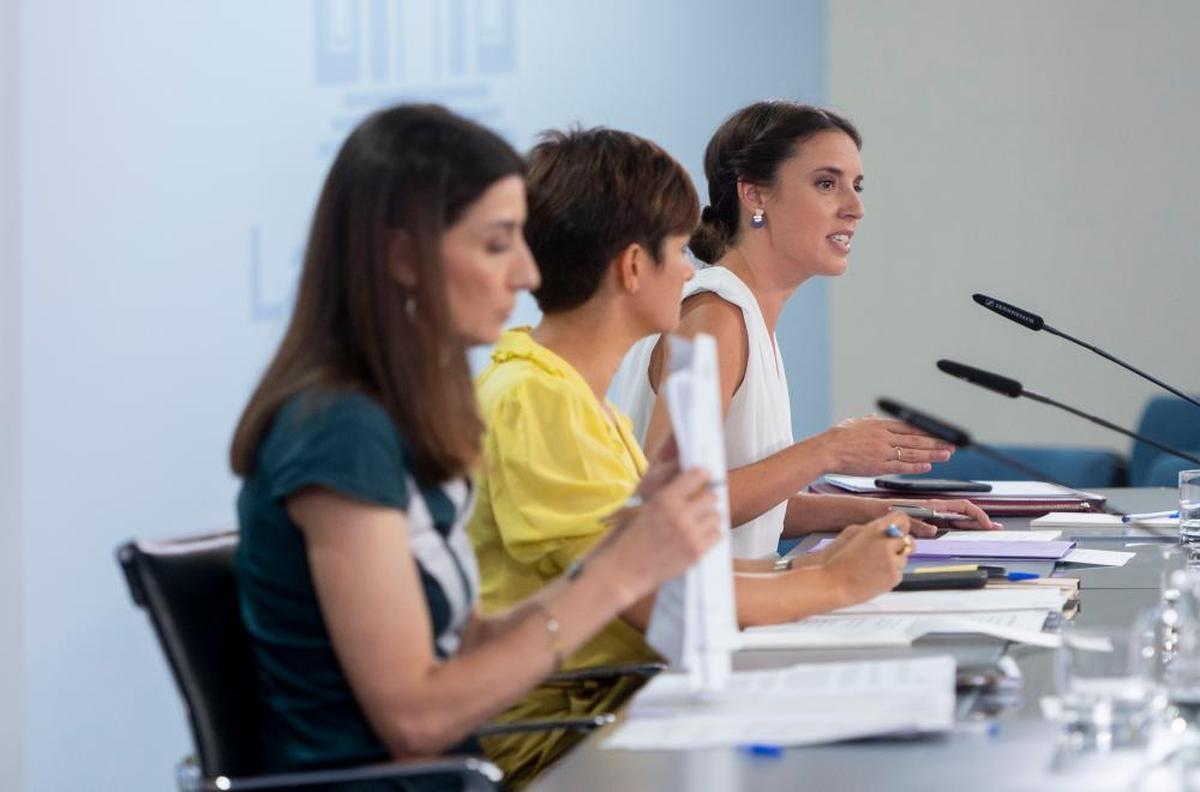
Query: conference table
1022	752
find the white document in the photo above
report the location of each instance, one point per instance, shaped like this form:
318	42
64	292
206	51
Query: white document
1001	490
1090	520
1077	520
887	630
694	624
1112	558
802	705
1001	536
961	602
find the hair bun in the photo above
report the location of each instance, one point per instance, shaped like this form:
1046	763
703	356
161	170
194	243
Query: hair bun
707	215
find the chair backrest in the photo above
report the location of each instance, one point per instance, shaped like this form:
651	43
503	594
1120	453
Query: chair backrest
1171	421
1075	466
189	591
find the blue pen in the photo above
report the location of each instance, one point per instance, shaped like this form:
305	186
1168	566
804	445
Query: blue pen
1128	518
1022	576
763	749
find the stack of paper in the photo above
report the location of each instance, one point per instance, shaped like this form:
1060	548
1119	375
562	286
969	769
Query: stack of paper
1079	520
802	705
1000	490
1031	540
982	547
954	601
1000	536
884	630
1112	558
1005	497
1015	613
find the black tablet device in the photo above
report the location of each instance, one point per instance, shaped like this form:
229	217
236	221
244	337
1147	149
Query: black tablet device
902	484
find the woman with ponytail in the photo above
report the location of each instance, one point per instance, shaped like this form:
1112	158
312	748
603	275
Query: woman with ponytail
784	184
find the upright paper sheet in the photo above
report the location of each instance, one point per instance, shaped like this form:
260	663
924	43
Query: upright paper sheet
694	625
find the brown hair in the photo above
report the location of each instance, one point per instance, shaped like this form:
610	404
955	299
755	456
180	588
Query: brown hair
592	193
750	146
412	168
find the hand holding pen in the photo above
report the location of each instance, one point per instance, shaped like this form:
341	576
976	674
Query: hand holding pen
965	514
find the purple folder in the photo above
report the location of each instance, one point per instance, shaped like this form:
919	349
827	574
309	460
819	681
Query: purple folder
944	548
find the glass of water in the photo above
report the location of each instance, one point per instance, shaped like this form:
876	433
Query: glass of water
1107	691
1181	675
1189	505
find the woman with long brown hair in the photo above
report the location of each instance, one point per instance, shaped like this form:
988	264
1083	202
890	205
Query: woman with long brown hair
357	581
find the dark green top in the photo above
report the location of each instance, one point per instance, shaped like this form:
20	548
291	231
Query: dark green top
345	442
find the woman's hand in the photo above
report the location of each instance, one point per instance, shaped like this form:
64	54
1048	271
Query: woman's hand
873	446
975	517
670	532
869	562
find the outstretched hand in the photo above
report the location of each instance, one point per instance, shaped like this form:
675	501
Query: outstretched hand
873	446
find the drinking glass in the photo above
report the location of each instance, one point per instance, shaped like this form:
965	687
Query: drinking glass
1189	505
1181	676
1106	687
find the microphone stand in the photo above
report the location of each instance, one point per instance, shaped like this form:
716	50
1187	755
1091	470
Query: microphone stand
1109	425
1121	363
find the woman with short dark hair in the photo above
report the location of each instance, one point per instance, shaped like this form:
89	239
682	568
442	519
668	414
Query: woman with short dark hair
610	214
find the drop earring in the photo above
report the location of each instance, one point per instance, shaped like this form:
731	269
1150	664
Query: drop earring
758	220
410	307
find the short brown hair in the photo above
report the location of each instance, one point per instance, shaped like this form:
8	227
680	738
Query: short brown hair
411	168
592	193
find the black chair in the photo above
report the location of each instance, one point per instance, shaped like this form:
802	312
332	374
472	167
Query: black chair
1169	420
188	589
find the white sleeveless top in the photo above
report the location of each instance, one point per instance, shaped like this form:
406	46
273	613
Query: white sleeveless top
759	421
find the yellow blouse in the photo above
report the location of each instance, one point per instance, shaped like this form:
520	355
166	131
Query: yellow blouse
554	466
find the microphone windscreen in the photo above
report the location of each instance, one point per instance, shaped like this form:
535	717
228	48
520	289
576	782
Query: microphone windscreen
1018	315
926	423
984	379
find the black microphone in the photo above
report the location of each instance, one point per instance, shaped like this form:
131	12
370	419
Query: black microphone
927	424
1013	389
984	379
952	434
1035	322
959	437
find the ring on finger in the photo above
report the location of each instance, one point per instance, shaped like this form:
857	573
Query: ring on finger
909	545
898	458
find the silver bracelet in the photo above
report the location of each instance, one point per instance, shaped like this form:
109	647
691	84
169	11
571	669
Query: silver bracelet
783	564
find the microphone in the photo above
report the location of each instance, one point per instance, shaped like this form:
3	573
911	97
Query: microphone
984	379
1013	389
927	424
1035	322
952	434
959	437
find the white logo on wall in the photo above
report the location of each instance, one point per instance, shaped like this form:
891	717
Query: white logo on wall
369	54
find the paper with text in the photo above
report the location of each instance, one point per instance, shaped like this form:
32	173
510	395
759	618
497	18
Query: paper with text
884	630
999	536
1112	558
958	602
802	705
1086	520
694	625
